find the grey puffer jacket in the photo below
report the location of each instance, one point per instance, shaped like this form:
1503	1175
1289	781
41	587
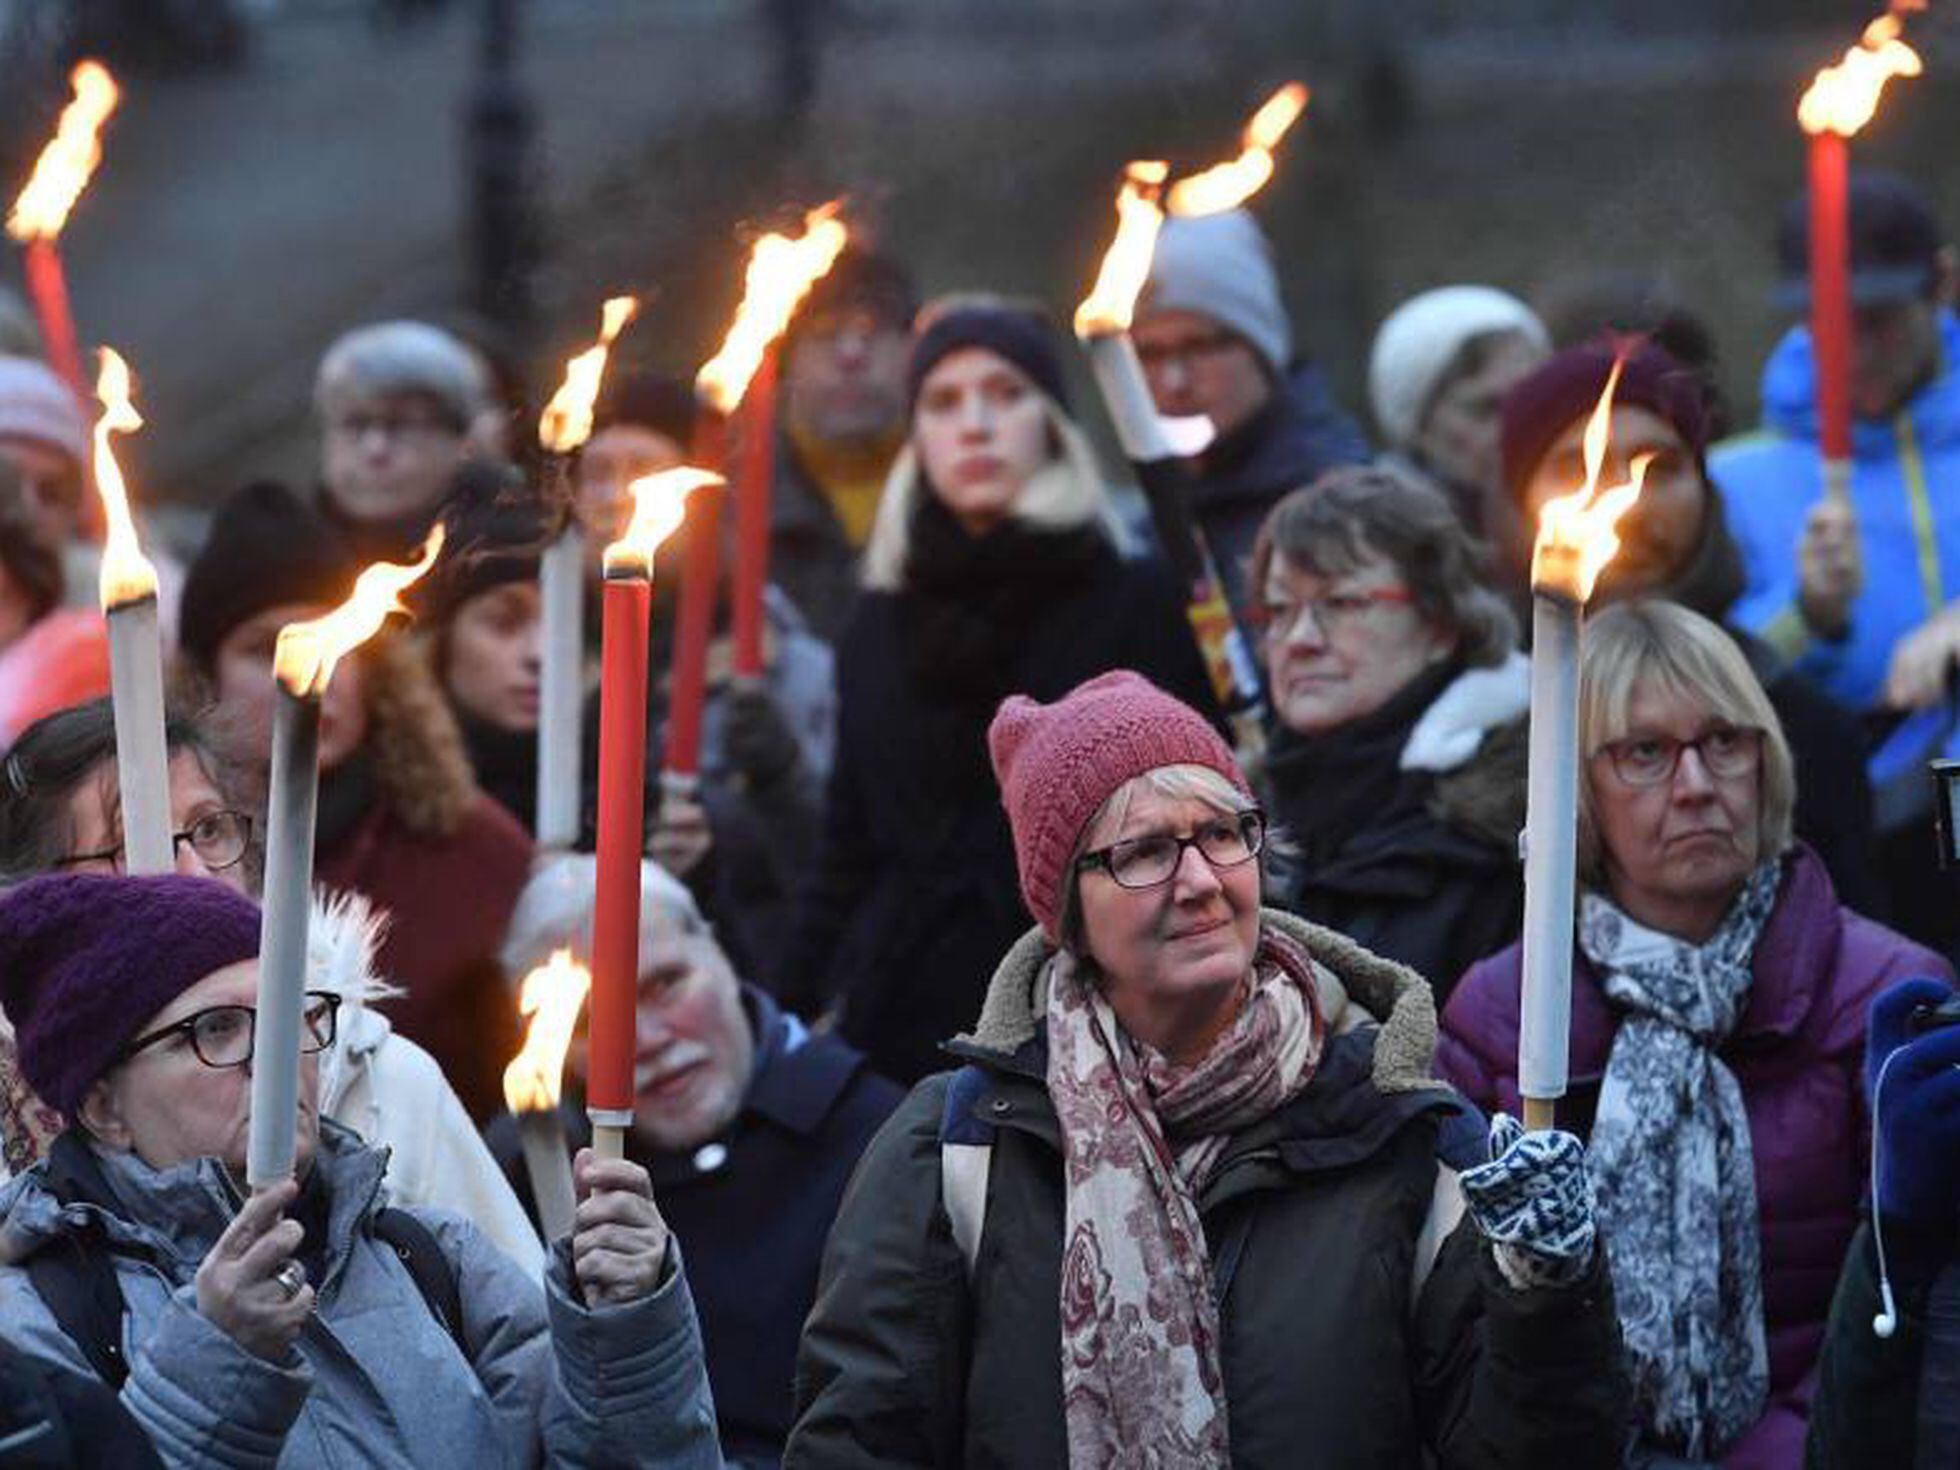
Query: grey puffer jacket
375	1380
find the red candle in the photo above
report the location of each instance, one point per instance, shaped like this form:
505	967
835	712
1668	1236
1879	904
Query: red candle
1830	292
754	484
47	288
695	623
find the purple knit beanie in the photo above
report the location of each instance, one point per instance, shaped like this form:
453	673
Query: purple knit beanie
1544	405
87	959
1058	763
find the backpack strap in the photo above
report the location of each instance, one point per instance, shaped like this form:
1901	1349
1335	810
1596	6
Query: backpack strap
966	1154
434	1277
76	1280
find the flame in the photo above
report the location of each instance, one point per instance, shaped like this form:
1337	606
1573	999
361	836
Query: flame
127	575
659	505
781	272
304	657
1228	185
1112	301
63	169
551	996
1842	98
1576	532
567	420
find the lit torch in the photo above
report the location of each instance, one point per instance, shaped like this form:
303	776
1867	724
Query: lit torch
562	430
1840	101
128	591
551	996
1228	185
42	207
303	662
658	508
1576	541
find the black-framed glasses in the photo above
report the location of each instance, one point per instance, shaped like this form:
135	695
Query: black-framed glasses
221	1036
1145	862
1651	760
218	838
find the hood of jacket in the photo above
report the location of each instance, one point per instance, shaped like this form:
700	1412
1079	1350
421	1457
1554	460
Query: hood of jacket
1790	397
1451	731
1357	987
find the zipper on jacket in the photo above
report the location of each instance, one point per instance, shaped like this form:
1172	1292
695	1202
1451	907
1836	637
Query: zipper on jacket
1926	540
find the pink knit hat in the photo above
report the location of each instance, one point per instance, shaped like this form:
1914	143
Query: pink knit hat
1058	763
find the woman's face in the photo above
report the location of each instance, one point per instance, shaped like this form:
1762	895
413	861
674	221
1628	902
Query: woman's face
95	821
1458	438
1340	647
492	667
243	669
1678	851
1174	957
166	1106
981	429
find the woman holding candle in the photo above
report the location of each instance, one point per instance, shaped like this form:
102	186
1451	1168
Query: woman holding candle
1397	768
1191	1198
305	1318
995	564
1718	1008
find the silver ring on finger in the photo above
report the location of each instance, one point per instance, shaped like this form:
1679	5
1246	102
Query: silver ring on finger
291	1278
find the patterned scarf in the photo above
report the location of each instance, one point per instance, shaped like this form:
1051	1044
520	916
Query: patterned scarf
1671	1157
1141	1377
28	1126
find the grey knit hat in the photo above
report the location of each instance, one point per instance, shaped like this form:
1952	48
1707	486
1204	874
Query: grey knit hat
1221	265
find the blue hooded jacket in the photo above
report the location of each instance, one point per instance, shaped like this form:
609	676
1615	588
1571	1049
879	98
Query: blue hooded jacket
1905	488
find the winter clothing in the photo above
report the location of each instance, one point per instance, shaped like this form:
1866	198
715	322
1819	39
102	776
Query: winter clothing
1918	1124
754	1206
37	406
492	540
1421	340
1011	333
374	1376
862	279
1902	472
1403	824
811	556
915	895
51	1420
389	359
266	548
87	959
1795	1052
1895	243
1534	1203
1057	764
1342	1325
61	660
1221	266
1564	390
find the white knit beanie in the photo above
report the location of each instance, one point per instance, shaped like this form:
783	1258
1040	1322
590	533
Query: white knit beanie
1221	265
36	405
1422	337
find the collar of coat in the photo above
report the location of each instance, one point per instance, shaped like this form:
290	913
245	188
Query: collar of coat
1357	987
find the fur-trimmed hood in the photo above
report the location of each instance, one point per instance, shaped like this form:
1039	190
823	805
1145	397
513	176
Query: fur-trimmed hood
1357	987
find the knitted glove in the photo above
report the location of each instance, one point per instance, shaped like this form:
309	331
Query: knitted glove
1534	1203
1918	1109
757	738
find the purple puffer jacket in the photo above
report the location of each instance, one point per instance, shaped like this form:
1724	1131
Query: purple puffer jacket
1798	1052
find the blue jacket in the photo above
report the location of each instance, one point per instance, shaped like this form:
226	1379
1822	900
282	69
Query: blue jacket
1905	488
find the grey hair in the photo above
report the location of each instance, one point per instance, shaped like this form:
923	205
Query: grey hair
1361	513
554	912
390	358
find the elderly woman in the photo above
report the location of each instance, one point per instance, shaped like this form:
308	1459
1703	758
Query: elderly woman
1397	766
308	1317
1718	1028
1186	1203
995	565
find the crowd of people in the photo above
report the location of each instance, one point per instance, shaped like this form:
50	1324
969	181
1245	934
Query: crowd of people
1025	1074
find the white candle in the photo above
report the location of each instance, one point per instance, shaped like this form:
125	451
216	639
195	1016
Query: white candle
136	695
549	1168
1126	393
561	591
290	804
1550	855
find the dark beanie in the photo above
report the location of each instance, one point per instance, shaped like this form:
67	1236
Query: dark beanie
495	538
266	548
1015	333
86	960
1543	406
861	279
647	401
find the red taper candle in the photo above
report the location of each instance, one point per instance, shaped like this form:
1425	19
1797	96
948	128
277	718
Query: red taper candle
694	624
1830	292
47	288
754	487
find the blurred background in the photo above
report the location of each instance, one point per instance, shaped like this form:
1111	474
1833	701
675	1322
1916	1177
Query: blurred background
282	169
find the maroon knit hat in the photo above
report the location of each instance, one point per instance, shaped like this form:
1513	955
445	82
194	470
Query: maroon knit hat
1544	405
87	959
1058	763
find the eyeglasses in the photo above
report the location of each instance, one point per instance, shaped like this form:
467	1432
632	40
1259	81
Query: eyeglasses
401	425
1145	862
218	838
1187	352
1651	760
221	1036
1338	610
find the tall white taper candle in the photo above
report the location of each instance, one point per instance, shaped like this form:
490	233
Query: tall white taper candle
549	1168
142	763
1118	372
562	592
1550	855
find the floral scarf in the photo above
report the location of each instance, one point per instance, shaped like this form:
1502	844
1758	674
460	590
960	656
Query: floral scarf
1141	1377
28	1126
1675	1172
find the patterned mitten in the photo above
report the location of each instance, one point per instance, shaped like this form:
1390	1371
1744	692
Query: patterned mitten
1534	1203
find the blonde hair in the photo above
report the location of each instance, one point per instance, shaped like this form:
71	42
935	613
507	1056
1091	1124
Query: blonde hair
1683	654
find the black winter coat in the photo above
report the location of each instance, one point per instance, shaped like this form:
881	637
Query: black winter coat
915	895
1333	1356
